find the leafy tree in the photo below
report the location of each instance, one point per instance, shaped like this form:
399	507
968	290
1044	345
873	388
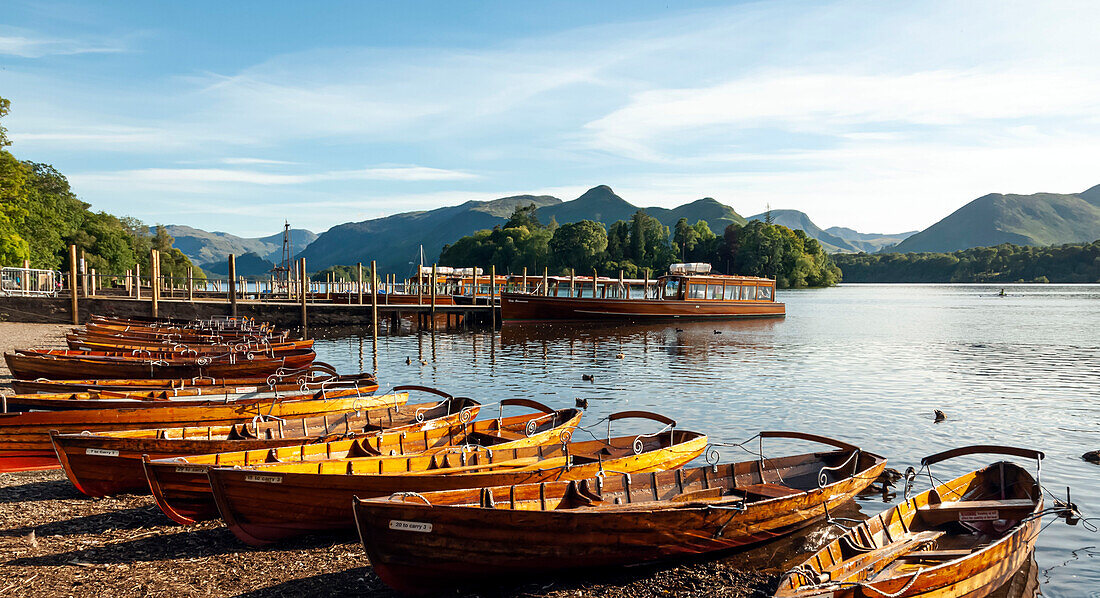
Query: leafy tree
578	245
685	237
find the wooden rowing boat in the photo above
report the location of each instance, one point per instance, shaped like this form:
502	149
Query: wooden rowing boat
133	346
419	542
110	462
25	436
269	502
181	486
316	376
966	537
106	399
62	364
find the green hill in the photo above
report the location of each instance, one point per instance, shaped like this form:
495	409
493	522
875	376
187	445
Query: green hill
869	242
205	247
394	241
1038	219
794	219
248	264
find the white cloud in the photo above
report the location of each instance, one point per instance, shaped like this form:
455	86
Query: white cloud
254	161
27	44
202	180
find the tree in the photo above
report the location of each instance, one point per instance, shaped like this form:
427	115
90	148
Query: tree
578	245
685	237
525	216
5	107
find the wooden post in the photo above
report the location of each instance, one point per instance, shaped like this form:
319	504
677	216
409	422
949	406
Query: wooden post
373	297
493	296
72	283
572	282
622	287
26	278
92	285
595	286
645	291
232	285
304	284
190	284
525	279
546	282
328	284
435	270
137	281
359	270
154	290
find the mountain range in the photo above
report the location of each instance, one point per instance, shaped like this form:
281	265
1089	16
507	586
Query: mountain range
395	241
205	247
1037	219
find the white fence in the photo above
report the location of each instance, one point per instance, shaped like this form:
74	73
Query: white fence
29	282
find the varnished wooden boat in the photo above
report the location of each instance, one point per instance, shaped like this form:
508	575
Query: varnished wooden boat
107	399
318	374
181	486
691	296
269	502
62	365
25	436
134	346
966	537
105	463
419	542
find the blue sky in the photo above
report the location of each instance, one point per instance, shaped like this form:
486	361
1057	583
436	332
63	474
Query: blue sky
881	116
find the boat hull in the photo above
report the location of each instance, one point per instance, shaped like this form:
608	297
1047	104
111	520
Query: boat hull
260	510
518	307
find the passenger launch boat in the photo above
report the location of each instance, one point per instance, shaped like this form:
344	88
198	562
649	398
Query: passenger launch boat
963	538
420	542
688	291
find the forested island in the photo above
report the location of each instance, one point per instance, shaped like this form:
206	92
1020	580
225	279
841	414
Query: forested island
1074	262
40	217
643	244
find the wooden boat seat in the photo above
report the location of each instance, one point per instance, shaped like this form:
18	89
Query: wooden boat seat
936	555
878	559
769	490
975	510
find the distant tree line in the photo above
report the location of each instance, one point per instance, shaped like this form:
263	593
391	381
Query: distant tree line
40	217
1075	262
757	248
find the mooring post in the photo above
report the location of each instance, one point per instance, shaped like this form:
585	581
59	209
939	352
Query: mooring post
232	285
304	284
595	277
435	271
493	297
546	282
26	278
525	279
622	288
137	281
373	298
72	283
83	274
572	282
91	284
190	284
154	290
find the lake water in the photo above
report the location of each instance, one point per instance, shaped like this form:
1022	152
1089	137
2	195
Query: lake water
863	363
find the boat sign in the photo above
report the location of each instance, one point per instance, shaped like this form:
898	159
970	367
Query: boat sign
986	515
196	470
101	452
266	479
243	389
411	526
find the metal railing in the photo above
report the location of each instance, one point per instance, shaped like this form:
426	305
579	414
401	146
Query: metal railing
29	282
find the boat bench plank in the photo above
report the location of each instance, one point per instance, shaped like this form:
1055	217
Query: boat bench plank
879	558
769	490
956	510
936	555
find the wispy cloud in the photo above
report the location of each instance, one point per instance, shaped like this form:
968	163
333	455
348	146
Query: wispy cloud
28	44
254	161
179	179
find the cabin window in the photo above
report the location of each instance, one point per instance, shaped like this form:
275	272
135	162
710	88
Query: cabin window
714	291
697	291
672	289
764	293
748	293
732	293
